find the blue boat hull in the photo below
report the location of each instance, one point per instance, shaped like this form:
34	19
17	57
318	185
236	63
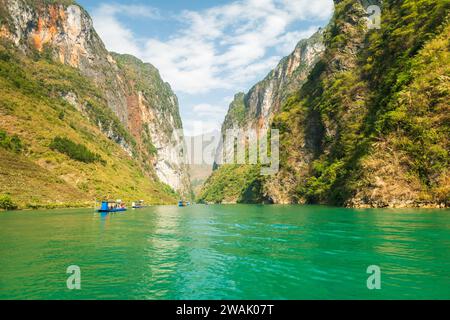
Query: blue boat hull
112	210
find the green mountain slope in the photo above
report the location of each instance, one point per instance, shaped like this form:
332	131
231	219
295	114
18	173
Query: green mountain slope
366	149
100	122
234	184
33	108
370	127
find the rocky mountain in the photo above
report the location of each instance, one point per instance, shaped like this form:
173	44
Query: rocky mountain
126	100
369	127
154	121
255	111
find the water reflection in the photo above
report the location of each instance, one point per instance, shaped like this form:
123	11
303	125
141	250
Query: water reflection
226	252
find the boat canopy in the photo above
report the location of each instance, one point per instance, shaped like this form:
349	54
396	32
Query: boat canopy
106	204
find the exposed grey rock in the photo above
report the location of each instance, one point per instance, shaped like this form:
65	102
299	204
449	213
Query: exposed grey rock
66	32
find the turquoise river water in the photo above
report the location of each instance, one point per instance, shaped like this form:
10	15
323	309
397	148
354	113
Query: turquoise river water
226	252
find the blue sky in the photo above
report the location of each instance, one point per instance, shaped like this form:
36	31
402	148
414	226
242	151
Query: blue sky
207	50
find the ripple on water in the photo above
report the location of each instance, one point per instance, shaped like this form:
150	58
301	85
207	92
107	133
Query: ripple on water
226	252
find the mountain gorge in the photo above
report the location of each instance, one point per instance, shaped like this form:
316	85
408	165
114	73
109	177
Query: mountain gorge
362	112
90	123
367	126
255	111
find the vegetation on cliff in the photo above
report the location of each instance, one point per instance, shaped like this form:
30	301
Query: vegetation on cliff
255	111
6	203
234	184
153	117
371	125
11	143
37	167
75	151
141	110
237	111
378	127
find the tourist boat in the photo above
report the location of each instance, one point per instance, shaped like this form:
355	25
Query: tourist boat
183	203
112	206
138	204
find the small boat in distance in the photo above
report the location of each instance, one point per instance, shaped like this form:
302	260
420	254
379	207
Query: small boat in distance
112	206
183	203
138	204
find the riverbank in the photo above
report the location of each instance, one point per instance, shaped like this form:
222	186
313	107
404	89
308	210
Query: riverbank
11	206
65	205
400	205
354	205
364	204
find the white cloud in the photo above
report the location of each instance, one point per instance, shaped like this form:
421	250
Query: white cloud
225	47
194	128
308	10
115	35
205	118
218	48
207	109
186	63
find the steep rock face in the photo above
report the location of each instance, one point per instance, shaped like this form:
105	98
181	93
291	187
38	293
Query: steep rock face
53	151
256	109
356	132
64	32
369	127
303	129
264	100
154	120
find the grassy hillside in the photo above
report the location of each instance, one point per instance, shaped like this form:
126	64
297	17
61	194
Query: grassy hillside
33	109
29	185
371	126
234	184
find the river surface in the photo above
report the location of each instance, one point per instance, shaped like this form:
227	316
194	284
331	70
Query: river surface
226	252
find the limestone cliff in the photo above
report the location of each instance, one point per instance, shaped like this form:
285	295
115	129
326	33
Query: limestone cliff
153	118
256	109
63	32
369	127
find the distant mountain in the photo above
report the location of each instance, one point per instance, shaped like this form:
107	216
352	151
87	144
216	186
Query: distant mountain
255	111
59	81
370	125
